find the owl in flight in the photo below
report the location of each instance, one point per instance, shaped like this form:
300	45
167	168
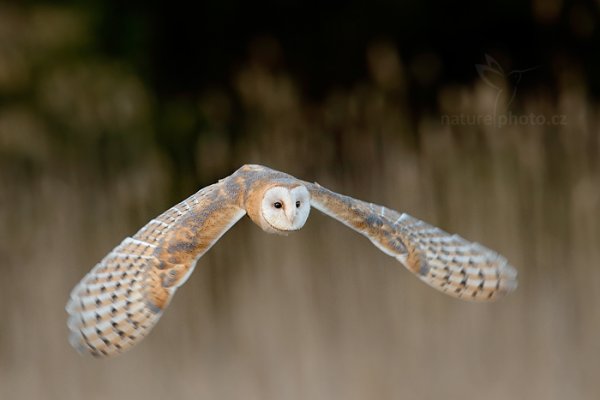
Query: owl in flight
118	302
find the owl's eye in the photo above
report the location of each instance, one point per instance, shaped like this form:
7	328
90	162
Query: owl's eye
277	204
297	204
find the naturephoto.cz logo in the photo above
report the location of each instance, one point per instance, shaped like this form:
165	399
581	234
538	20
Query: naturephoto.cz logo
502	120
505	85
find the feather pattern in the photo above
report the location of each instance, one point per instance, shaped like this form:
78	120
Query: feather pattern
117	303
444	261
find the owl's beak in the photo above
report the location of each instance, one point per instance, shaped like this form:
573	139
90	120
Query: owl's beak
290	214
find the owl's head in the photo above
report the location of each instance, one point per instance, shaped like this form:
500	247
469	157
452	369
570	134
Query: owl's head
285	208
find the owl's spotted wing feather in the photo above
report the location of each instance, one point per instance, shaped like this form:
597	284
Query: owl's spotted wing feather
122	297
444	261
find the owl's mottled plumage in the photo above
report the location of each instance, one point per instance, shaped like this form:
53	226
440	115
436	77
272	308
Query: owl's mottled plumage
122	297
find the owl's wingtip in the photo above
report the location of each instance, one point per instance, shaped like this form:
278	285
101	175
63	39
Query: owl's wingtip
72	305
508	270
509	275
76	341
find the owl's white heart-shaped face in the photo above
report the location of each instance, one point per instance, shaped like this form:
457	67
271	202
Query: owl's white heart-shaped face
286	209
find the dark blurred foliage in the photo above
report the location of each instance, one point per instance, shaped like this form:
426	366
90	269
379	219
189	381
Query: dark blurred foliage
180	50
186	47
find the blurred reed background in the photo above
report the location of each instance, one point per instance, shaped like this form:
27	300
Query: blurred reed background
91	148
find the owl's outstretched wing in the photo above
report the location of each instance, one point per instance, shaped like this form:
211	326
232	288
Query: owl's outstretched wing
444	261
117	303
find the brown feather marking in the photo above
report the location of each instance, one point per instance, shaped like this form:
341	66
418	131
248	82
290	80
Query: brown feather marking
438	258
119	301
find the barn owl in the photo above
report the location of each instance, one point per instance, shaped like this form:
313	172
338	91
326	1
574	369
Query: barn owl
118	302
